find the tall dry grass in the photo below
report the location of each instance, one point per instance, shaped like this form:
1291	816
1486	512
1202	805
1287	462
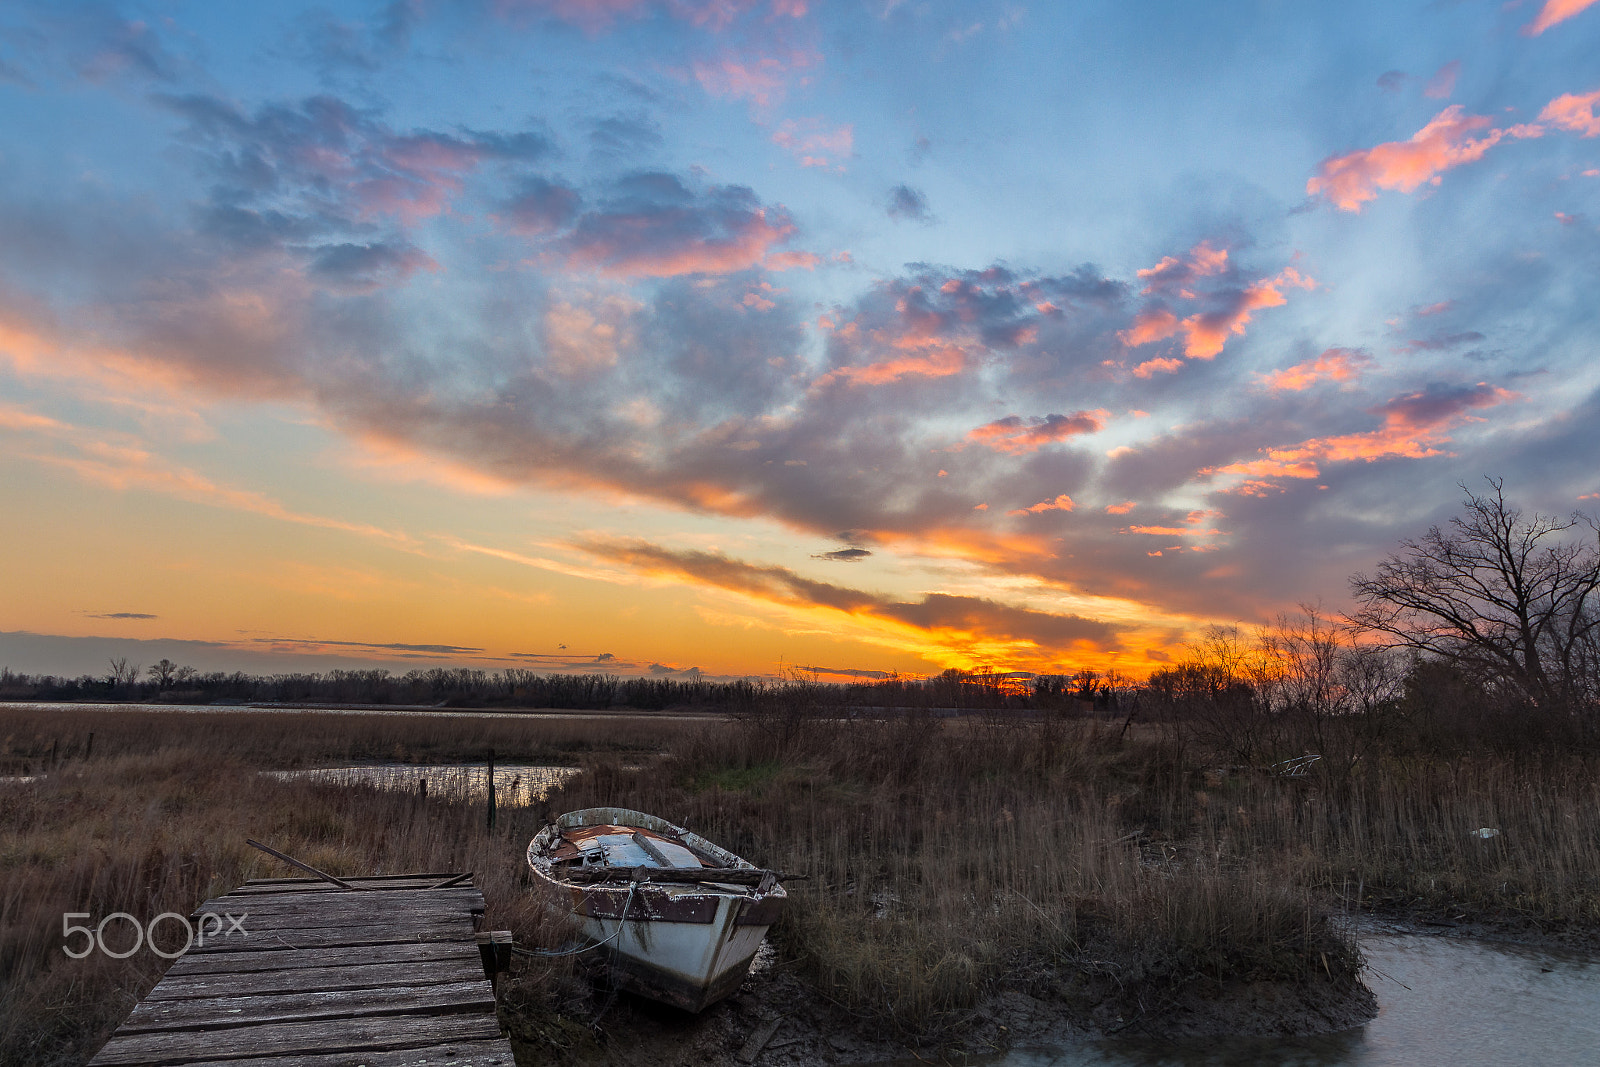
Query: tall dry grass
949	860
31	735
155	820
1115	872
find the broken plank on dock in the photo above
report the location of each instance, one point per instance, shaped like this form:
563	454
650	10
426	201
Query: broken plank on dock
321	976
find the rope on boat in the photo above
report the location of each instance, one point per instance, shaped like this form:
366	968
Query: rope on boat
546	952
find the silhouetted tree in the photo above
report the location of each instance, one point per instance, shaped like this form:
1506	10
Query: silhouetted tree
1501	596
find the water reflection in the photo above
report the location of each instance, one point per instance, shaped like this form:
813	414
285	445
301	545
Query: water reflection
1441	1001
512	784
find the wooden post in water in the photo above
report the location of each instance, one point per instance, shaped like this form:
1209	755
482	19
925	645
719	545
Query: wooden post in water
89	746
491	789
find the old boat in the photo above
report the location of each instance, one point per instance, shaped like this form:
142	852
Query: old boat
679	917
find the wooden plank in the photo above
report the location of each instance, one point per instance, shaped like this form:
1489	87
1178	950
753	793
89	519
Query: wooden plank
259	926
389	898
333	890
318	979
454	1054
370	903
495	1053
289	940
435	875
358	1035
228	1012
257	962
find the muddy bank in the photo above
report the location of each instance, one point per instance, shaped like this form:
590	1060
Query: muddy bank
778	1020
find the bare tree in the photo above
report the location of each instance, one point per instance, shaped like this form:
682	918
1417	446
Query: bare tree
1500	595
163	672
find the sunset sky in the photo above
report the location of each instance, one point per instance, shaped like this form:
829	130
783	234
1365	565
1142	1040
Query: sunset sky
744	336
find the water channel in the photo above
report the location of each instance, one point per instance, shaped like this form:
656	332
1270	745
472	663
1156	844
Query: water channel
1443	1002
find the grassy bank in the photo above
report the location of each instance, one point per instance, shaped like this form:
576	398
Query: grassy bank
1124	878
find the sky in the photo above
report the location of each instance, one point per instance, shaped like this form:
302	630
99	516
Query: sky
753	337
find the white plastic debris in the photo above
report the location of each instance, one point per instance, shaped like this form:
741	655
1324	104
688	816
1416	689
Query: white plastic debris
1485	832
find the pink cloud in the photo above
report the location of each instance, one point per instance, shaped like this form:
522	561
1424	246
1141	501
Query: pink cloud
1573	112
596	15
1449	140
1443	82
781	261
1335	364
813	144
1017	435
762	80
1060	503
1553	12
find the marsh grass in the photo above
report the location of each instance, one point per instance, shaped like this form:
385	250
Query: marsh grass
155	820
1114	873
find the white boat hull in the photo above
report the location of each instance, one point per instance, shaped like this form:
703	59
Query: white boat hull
687	944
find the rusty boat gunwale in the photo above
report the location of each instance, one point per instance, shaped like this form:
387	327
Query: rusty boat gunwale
686	943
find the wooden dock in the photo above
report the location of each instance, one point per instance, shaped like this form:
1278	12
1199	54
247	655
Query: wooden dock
389	973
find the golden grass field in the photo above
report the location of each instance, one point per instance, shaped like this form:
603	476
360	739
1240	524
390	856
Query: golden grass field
1110	872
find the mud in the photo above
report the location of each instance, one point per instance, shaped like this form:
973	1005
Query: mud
594	1028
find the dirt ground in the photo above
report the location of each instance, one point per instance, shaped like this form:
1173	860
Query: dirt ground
777	1020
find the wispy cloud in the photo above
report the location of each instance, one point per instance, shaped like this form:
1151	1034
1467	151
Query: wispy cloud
1451	139
1554	12
1016	435
1333	365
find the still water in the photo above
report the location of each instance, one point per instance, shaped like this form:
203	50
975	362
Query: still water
1443	1002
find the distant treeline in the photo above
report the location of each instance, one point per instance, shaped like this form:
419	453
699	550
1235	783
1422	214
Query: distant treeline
166	682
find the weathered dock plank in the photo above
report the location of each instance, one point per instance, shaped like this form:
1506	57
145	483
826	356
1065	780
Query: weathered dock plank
227	1012
244	963
374	1034
311	975
450	1054
457	968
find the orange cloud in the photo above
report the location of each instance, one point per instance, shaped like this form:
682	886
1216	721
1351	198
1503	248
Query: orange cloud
1208	331
1553	12
1060	503
1573	112
1150	367
1335	364
940	362
1413	428
1449	140
1017	435
1174	272
1122	508
1205	333
938	617
1151	324
1172	531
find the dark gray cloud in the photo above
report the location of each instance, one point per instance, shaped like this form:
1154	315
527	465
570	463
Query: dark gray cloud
908	203
625	139
124	615
936	612
844	555
541	207
437	650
